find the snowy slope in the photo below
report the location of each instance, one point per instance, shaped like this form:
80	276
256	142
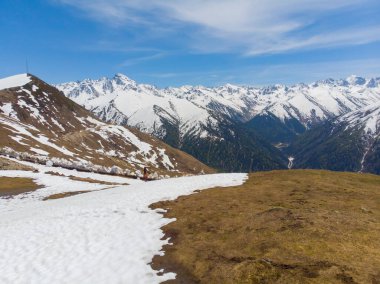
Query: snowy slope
14	81
367	123
38	123
107	236
122	100
367	118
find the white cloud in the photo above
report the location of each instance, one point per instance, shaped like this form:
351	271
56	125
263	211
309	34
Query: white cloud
353	36
137	60
113	12
251	27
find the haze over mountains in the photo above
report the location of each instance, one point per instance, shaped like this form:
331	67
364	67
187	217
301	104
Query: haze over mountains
248	128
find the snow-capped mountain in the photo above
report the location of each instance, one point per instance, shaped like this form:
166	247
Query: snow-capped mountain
122	101
203	122
206	121
367	122
366	119
350	143
193	109
37	122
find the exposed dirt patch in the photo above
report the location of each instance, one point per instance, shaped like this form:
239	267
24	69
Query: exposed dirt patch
299	226
10	187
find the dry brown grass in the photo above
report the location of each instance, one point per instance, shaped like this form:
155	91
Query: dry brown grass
72	193
89	180
6	164
298	226
64	194
12	186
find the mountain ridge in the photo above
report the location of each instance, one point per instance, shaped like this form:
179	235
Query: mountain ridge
307	103
39	123
272	116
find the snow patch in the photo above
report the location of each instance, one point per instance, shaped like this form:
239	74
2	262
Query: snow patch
14	81
7	109
39	151
107	236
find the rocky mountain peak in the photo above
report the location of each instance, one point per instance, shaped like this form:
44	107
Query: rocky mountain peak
122	79
356	80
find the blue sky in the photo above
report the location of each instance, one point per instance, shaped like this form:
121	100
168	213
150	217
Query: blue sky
196	42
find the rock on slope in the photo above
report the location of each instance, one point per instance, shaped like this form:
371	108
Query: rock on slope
38	121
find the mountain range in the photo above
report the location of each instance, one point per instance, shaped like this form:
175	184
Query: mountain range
38	123
332	124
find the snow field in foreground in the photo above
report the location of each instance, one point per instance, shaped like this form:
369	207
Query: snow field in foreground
105	236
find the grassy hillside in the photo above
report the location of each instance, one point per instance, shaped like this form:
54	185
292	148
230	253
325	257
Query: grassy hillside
39	124
301	226
6	164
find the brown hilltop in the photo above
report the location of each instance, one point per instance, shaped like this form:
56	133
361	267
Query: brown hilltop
45	124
